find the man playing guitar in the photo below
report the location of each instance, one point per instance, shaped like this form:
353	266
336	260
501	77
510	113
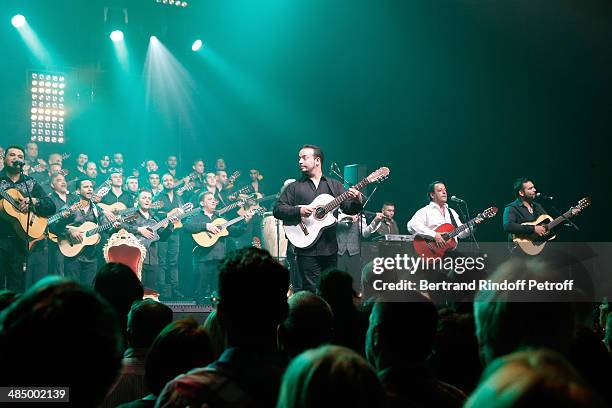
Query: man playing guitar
437	212
12	245
523	209
323	254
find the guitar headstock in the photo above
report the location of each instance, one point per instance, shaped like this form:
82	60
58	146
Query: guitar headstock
157	205
257	211
379	175
186	207
127	218
582	204
489	212
234	176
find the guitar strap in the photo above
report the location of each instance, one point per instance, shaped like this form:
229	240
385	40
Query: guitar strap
452	217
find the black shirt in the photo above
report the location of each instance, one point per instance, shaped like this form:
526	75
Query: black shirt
44	207
303	192
516	213
110	198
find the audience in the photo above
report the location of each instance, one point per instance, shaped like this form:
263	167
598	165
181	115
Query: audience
146	320
350	325
216	334
61	334
400	340
532	378
180	347
308	325
249	371
120	286
6	298
330	377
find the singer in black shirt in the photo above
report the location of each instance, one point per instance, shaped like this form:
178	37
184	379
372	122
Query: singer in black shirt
523	209
323	254
12	239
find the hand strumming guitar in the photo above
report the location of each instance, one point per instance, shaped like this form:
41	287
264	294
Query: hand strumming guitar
212	228
540	230
145	232
440	242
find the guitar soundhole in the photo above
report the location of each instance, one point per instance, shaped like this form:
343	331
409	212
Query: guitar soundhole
320	213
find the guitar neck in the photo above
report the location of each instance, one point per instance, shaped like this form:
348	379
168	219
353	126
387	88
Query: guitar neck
8	198
559	219
463	227
332	205
232	222
229	207
100	228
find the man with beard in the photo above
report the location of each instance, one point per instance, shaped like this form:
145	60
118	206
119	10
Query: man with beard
294	203
12	243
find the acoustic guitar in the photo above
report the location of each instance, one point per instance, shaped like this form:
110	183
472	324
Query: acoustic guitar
9	210
91	235
307	232
534	244
207	239
55	218
427	248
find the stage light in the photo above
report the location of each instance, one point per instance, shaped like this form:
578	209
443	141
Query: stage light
47	108
116	35
176	3
197	45
153	39
18	21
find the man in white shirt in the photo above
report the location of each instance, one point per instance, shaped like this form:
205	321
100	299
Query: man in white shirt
437	212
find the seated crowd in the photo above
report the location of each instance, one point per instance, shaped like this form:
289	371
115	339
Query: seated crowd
260	348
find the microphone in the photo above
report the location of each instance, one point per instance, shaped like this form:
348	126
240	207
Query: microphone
545	197
18	163
457	199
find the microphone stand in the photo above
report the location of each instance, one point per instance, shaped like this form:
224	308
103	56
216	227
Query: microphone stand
27	235
472	235
568	222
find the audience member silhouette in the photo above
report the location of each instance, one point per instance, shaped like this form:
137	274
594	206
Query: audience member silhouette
532	378
400	340
330	377
147	318
61	334
308	325
182	346
248	373
350	324
6	298
216	334
120	286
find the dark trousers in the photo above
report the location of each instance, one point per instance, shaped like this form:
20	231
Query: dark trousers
12	256
168	257
206	278
38	262
310	268
80	271
149	276
56	260
351	264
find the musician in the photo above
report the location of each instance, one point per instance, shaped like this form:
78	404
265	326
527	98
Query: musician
118	162
138	227
116	194
44	178
171	168
168	249
91	172
206	260
84	266
155	183
323	254
256	178
61	199
104	165
33	163
437	212
220	164
211	187
12	245
198	178
131	185
383	223
523	209
151	166
82	160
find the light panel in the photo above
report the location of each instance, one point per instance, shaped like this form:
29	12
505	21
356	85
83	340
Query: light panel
47	110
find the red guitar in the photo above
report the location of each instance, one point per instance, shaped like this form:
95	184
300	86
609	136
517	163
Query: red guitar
427	248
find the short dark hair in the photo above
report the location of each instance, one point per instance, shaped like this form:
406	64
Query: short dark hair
146	319
81	180
199	159
180	347
14	147
432	188
518	184
252	275
316	151
202	194
47	334
144	190
388	204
